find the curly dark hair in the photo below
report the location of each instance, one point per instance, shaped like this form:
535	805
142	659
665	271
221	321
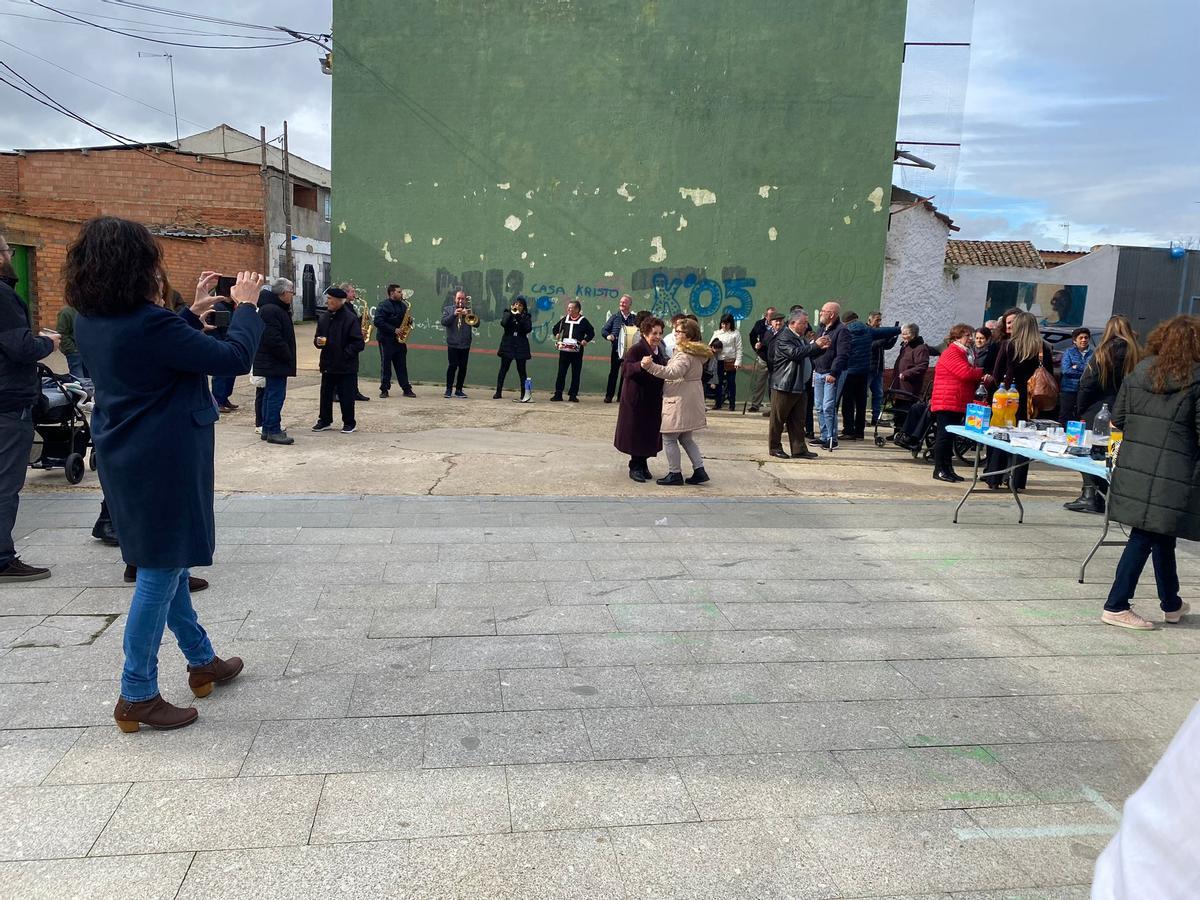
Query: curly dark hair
1175	346
112	267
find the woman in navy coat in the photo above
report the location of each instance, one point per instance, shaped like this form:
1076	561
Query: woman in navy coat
153	431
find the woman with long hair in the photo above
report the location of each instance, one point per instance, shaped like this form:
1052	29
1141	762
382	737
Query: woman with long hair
683	401
729	360
153	431
1116	356
1016	361
516	323
639	416
954	384
1156	480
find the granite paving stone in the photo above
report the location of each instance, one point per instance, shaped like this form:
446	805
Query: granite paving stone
934	778
359	655
499	652
373	806
390	623
335	745
593	794
500	594
1054	843
624	648
572	688
27	757
554	620
155	876
700	684
664	731
105	754
844	680
167	816
402	694
668	617
55	821
489	739
774	727
384	597
255	699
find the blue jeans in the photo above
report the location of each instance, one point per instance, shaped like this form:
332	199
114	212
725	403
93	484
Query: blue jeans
75	365
160	599
222	388
825	400
1140	546
876	384
273	397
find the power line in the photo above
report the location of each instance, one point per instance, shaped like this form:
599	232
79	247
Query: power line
97	83
139	37
145	27
146	7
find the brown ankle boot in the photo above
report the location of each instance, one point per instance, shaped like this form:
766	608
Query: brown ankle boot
153	713
202	678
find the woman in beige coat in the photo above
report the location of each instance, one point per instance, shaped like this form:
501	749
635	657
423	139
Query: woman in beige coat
683	411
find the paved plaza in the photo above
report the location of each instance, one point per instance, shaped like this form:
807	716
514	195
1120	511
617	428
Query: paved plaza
598	698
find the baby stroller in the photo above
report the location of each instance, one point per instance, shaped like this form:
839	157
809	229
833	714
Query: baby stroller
61	424
917	431
898	401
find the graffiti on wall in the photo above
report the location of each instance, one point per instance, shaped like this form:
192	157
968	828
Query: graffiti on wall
684	290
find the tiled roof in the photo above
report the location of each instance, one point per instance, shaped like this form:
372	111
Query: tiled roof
1018	254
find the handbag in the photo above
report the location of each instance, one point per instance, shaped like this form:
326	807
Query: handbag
729	365
1042	392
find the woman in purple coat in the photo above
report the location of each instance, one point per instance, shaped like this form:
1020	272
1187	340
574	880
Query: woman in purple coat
640	415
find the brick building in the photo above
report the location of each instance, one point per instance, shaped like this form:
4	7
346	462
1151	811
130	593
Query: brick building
208	212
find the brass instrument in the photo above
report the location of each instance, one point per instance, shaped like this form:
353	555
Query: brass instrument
365	322
514	309
469	316
406	326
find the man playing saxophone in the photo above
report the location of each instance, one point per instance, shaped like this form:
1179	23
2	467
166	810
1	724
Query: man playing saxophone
459	320
393	322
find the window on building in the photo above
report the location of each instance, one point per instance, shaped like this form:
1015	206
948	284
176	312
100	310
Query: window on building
328	207
304	197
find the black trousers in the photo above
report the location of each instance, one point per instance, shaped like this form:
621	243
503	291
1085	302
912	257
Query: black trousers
574	362
997	460
16	443
346	387
393	356
505	364
943	442
854	403
726	387
456	371
613	388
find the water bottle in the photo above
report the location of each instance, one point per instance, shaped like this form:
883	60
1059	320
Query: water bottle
1101	429
527	394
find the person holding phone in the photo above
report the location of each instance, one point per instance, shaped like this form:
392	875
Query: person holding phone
218	320
154	405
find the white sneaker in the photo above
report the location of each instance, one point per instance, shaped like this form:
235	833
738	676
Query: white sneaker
1126	619
1174	617
258	429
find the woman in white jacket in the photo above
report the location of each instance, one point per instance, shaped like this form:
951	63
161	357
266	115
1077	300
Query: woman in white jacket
729	361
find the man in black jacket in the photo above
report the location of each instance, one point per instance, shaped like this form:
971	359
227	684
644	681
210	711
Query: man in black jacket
790	354
393	352
276	358
757	334
19	389
574	332
340	337
613	332
829	371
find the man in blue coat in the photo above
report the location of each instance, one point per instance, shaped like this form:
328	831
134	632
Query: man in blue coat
20	351
858	372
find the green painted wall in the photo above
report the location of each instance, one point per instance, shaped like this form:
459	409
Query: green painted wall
702	155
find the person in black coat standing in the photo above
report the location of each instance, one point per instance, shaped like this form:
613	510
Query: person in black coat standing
614	332
340	337
574	333
516	323
276	359
20	351
393	352
153	430
222	385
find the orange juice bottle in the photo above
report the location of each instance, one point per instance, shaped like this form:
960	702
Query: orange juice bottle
1014	403
999	404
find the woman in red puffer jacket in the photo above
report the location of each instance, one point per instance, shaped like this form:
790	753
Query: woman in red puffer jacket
954	383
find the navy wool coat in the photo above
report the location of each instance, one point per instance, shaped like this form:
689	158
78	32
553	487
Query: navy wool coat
153	425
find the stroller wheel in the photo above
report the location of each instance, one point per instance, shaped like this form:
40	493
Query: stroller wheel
92	461
880	440
74	468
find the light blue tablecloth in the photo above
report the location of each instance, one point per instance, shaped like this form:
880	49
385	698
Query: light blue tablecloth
1083	464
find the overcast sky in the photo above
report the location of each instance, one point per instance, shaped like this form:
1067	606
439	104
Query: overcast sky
1081	111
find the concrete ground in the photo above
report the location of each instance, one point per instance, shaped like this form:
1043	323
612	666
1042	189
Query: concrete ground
538	697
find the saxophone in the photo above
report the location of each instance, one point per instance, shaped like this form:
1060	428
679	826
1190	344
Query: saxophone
406	326
366	323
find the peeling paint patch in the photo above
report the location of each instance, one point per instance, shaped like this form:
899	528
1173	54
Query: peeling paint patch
764	190
529	235
596	192
845	220
505	185
532	264
407	238
435	184
512	223
387	254
342	228
623	191
524	254
682	224
875	198
660	252
608	274
575	193
772	233
437	242
698	196
666	215
529	195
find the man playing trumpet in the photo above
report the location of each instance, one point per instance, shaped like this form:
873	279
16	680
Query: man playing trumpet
459	320
393	321
573	333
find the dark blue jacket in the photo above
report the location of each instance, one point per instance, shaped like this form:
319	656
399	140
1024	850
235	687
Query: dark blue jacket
153	425
389	315
19	352
276	357
862	340
836	357
1073	364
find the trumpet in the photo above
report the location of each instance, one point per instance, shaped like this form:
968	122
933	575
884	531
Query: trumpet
515	309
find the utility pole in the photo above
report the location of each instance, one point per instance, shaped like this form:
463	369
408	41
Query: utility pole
266	201
171	63
1067	240
288	265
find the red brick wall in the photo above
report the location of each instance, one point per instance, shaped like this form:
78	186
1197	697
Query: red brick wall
53	192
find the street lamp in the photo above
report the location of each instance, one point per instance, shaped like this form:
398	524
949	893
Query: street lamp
171	62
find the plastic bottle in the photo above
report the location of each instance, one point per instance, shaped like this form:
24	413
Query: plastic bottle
1101	429
981	394
1014	404
999	404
